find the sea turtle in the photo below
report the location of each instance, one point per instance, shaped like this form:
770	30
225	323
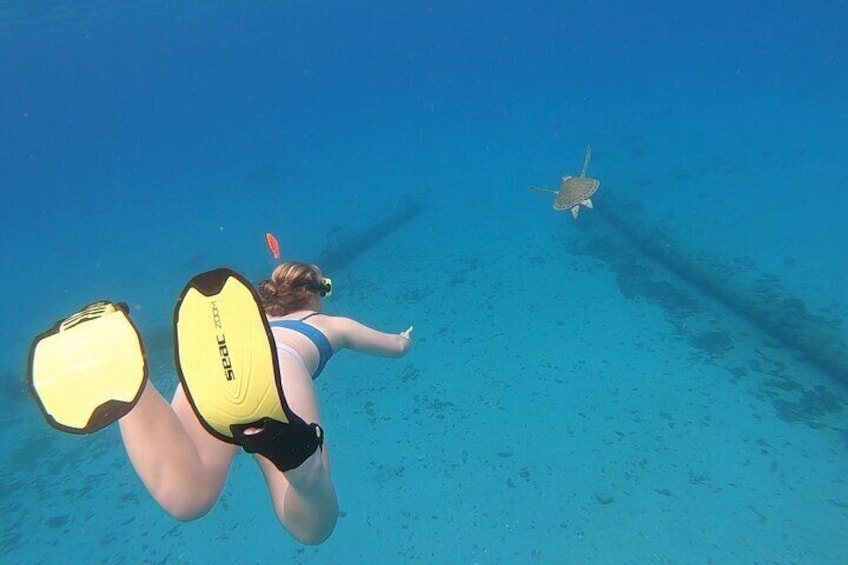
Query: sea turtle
574	190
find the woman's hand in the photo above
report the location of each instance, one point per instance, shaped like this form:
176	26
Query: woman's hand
406	340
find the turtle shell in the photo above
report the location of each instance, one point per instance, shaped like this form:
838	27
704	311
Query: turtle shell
575	190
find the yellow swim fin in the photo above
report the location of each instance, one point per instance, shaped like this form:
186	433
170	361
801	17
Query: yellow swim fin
225	354
88	370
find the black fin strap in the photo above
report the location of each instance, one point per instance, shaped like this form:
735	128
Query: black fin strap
287	446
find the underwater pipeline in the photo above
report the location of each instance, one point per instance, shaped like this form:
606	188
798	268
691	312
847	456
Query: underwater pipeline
357	243
785	318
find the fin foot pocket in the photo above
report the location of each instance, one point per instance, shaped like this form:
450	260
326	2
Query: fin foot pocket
287	446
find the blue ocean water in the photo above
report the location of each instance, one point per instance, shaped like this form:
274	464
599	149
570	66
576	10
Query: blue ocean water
662	380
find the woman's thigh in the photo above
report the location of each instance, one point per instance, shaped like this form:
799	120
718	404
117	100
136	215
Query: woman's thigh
215	455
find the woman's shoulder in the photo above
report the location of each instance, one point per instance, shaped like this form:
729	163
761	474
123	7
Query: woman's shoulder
330	321
340	328
320	320
337	328
294	316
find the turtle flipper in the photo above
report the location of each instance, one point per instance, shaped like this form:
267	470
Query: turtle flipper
587	160
543	190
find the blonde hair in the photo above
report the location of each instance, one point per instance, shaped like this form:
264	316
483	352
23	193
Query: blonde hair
292	287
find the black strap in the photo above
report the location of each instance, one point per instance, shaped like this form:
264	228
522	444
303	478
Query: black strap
287	446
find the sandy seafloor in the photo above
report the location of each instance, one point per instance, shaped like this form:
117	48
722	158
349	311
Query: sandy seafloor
549	412
567	400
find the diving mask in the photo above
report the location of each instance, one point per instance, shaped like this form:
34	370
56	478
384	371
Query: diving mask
325	287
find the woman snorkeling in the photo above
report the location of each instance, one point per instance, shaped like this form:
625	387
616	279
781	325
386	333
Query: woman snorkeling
247	361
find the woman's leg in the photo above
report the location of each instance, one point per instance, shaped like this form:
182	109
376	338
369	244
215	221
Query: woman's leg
304	498
180	463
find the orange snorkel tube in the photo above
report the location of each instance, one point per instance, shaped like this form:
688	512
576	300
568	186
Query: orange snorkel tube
326	286
273	245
